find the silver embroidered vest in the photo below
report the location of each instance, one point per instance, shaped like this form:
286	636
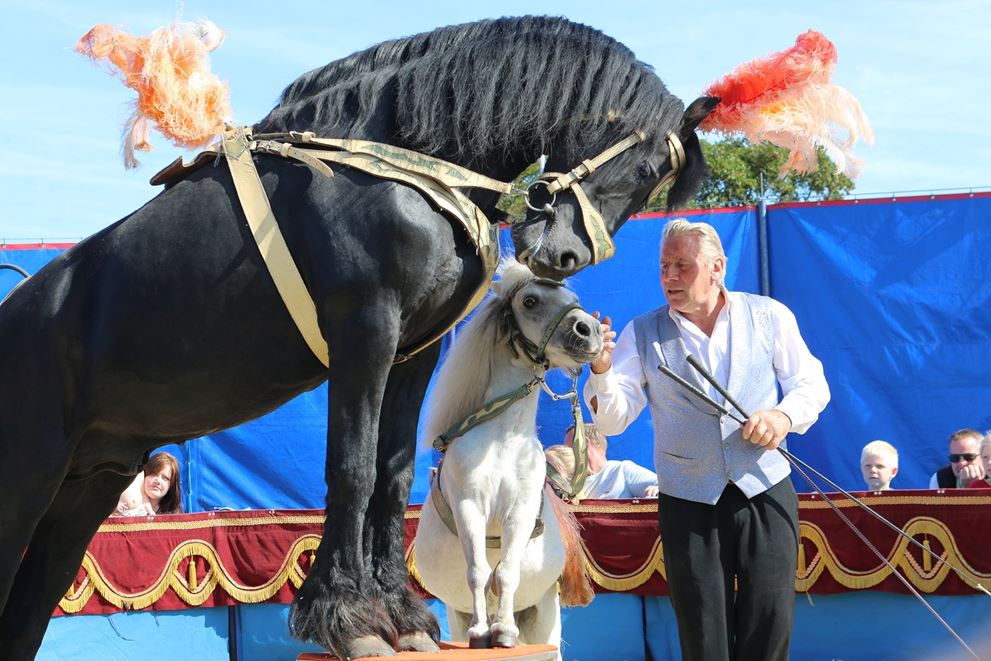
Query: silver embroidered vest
697	450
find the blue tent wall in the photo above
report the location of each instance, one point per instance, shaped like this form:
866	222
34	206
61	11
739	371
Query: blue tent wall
895	299
892	297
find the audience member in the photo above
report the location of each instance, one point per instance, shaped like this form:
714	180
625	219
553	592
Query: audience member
878	465
984	482
965	461
155	490
562	459
611	478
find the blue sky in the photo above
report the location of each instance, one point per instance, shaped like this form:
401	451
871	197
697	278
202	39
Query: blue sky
920	70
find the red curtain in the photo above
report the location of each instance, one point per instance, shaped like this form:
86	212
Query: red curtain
214	559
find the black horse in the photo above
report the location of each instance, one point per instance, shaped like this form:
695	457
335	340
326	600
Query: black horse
167	325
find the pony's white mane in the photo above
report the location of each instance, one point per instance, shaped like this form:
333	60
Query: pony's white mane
467	370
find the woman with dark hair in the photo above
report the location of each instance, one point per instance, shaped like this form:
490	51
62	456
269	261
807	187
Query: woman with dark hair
155	489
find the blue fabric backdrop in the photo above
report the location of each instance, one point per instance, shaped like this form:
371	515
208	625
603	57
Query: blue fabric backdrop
893	297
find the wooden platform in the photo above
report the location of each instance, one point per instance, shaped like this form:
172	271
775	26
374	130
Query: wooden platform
450	651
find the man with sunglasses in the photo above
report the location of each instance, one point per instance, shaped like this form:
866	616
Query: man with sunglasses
965	461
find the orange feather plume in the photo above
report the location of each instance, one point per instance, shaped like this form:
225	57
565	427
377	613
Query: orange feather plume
170	71
787	99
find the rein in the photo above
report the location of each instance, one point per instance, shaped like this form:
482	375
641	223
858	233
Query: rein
602	244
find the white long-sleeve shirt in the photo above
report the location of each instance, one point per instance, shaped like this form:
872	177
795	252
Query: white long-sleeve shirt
619	391
619	479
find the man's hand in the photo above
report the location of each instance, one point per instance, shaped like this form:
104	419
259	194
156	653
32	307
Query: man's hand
604	361
767	428
969	473
651	491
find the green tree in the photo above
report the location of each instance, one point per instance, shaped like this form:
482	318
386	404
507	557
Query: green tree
738	170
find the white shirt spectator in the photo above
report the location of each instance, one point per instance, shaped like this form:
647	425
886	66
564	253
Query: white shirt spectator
620	479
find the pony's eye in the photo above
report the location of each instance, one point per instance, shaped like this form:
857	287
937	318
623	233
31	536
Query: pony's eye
529	301
644	170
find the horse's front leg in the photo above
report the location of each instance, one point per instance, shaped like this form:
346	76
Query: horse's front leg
516	531
337	606
471	524
404	394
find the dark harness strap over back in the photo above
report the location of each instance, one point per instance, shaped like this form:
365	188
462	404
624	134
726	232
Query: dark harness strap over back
439	181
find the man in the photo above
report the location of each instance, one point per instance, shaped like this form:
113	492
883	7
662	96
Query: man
965	462
879	465
728	512
611	478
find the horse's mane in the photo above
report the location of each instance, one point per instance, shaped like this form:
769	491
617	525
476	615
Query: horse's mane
462	88
459	388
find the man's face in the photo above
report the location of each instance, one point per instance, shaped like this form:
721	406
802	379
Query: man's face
986	457
878	470
687	278
968	445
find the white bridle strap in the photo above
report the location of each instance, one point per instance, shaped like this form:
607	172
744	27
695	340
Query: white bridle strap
602	244
588	166
676	154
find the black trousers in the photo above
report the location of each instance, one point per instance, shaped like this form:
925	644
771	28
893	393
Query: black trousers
707	547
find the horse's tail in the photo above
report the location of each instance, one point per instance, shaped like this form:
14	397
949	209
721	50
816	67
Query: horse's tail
576	587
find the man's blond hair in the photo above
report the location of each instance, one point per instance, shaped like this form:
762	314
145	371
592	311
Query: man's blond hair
562	458
593	436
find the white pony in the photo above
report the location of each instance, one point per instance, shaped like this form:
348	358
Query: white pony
491	483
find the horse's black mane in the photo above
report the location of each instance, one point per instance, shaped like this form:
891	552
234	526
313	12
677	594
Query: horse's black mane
482	86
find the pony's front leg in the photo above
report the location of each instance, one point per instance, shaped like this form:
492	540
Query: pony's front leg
338	606
471	526
515	537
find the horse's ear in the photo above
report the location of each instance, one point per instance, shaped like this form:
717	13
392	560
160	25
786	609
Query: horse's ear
505	322
693	170
697	111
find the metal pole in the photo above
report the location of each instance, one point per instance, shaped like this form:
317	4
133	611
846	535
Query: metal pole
765	266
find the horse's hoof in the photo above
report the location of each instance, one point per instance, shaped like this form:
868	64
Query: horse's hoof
364	646
504	637
481	641
417	642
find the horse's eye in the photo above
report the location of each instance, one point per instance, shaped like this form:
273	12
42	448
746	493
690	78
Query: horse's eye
644	170
529	301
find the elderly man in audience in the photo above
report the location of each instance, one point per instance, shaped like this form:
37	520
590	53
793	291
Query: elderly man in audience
878	465
611	478
984	482
965	462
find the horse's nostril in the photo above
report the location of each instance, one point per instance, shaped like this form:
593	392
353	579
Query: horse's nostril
568	261
582	329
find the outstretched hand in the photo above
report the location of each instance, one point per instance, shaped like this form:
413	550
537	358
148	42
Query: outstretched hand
604	361
767	428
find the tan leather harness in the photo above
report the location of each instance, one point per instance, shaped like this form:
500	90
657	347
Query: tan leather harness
440	181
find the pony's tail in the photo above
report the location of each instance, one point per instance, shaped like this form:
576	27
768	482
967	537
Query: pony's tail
576	587
170	71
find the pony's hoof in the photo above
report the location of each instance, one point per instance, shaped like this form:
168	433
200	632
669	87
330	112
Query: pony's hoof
479	641
504	637
364	646
417	642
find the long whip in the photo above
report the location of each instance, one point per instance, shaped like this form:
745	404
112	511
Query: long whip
798	464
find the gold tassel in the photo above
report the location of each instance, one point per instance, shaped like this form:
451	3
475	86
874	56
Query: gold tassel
192	574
